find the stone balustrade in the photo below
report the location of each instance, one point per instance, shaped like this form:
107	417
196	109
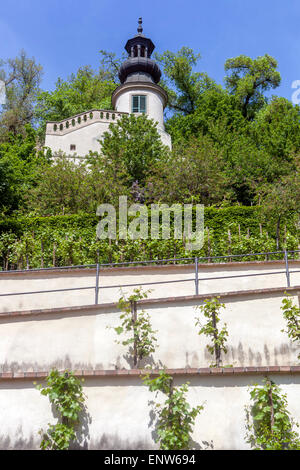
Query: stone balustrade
81	120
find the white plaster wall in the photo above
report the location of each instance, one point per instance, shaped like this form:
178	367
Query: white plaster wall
118	412
165	137
154	104
85	139
86	339
46	280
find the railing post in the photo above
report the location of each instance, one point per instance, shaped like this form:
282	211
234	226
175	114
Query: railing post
97	284
196	276
287	272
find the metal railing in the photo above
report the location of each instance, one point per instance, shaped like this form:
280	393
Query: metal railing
196	278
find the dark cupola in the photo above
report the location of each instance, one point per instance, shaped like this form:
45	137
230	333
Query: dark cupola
139	67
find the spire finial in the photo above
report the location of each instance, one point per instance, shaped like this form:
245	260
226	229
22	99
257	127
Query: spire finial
140	28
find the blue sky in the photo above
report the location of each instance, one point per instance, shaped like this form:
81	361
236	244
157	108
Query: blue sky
65	34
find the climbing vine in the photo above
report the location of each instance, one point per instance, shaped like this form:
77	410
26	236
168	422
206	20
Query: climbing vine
142	340
175	417
268	422
210	310
65	393
291	314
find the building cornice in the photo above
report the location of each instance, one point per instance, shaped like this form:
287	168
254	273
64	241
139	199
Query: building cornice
132	86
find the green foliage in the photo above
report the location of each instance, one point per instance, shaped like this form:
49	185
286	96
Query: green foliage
175	417
182	84
65	393
138	324
282	200
133	141
22	77
268	422
19	166
249	79
71	239
87	89
276	129
291	314
250	142
193	173
67	188
210	310
256	141
217	115
57	437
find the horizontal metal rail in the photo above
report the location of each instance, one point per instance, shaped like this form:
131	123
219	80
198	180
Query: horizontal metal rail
146	283
47	291
153	261
195	279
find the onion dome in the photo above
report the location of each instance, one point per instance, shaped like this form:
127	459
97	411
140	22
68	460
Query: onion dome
139	66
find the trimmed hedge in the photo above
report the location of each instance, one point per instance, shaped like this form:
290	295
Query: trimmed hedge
71	239
216	219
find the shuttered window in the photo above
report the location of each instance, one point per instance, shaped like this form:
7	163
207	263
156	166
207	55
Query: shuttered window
139	104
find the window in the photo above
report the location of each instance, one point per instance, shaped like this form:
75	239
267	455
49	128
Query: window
139	104
72	147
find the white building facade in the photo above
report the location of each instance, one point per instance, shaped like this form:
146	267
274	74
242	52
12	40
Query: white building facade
138	93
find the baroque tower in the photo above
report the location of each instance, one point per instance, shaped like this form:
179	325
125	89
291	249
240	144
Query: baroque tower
138	93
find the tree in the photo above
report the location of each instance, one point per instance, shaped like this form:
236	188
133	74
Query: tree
194	172
276	129
85	90
19	168
281	199
184	86
216	110
62	188
111	64
248	79
22	77
66	187
135	141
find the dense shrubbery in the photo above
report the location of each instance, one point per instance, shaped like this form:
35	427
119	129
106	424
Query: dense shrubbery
231	147
71	240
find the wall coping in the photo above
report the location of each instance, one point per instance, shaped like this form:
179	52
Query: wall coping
151	267
202	372
186	298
